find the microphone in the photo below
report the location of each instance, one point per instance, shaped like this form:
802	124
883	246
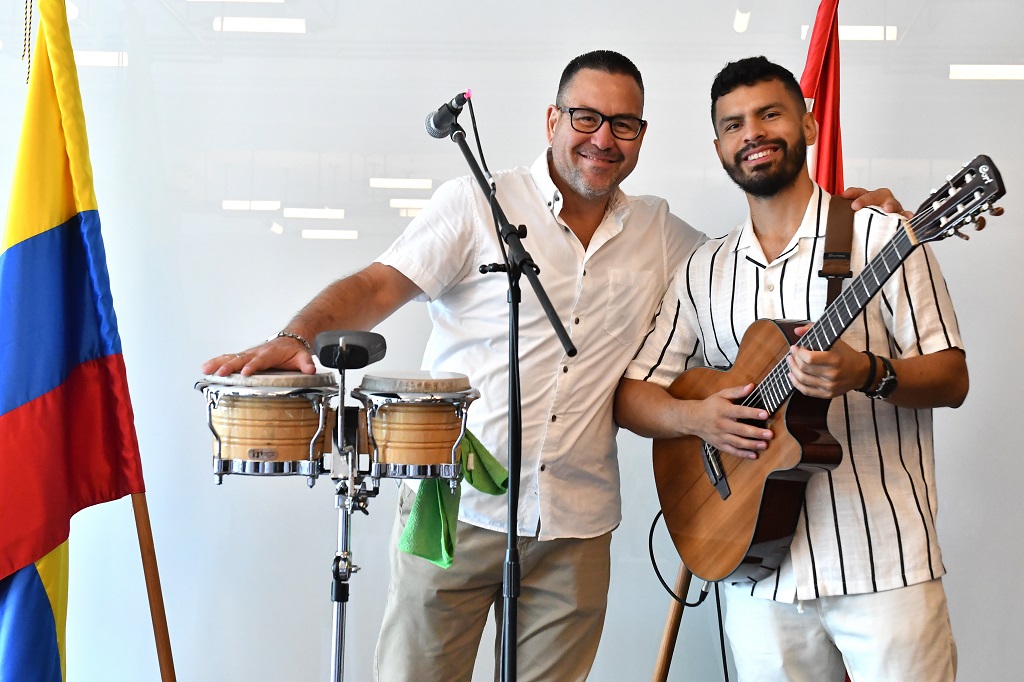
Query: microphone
440	123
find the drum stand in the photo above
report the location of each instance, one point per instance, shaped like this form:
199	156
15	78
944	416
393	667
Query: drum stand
343	568
341	351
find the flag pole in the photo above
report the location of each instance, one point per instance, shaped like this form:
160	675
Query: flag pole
675	615
156	598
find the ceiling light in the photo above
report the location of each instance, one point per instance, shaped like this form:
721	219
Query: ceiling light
72	10
330	234
741	21
409	212
259	25
402	183
276	228
853	32
986	72
278	2
246	205
409	203
315	213
98	58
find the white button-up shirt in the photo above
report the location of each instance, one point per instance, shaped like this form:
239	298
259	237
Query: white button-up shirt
869	525
606	296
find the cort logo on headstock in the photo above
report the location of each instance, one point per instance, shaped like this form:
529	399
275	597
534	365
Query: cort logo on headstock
984	174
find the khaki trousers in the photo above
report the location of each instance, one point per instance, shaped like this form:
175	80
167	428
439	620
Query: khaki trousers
434	618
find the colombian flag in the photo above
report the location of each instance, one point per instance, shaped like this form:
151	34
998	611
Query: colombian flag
67	433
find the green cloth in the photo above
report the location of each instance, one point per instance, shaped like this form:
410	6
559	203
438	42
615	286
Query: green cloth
430	531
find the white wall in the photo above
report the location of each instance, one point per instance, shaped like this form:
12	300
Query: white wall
198	117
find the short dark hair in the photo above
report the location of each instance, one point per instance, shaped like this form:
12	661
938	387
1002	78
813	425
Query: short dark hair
751	71
599	60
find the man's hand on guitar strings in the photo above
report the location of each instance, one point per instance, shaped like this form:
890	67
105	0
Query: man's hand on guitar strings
721	421
827	374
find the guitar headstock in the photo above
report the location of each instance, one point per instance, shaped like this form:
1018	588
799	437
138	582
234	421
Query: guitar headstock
966	195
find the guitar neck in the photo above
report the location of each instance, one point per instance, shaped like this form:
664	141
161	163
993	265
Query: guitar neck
776	387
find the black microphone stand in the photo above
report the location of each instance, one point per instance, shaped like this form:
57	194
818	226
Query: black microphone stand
518	262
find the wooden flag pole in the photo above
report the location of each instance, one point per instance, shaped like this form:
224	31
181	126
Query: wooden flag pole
675	614
156	598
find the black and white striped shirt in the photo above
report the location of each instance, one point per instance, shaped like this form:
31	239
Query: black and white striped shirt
869	525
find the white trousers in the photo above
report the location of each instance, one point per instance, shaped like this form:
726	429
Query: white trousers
901	635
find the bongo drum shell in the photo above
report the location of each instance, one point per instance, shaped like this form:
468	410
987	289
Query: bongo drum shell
416	434
269	429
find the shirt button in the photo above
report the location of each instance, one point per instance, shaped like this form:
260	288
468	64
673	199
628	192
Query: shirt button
770	287
543	467
576	321
564	369
554	417
584	273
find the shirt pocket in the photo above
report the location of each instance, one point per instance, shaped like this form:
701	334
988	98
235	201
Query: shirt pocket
630	293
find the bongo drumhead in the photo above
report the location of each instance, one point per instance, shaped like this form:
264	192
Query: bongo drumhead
415	381
274	379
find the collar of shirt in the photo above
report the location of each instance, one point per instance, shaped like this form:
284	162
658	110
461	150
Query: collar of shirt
808	229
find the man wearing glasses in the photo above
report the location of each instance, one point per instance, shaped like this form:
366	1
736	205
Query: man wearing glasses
605	260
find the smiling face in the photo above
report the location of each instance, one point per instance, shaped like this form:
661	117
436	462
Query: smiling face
763	134
591	165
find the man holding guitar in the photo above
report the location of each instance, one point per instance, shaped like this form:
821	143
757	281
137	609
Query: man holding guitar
859	588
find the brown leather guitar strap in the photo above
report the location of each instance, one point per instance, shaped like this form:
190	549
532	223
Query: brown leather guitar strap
838	245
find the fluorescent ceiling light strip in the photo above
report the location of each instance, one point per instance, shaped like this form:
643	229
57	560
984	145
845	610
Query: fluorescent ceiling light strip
100	58
330	234
259	25
409	212
850	32
246	205
402	183
409	203
315	213
986	72
276	2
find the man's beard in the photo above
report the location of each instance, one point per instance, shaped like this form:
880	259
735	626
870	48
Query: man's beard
765	184
576	179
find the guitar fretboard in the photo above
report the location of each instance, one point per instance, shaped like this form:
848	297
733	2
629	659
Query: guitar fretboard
776	387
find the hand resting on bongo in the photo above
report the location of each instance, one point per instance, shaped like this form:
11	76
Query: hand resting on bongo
357	302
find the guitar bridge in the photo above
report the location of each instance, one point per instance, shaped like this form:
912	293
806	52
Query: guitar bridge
713	468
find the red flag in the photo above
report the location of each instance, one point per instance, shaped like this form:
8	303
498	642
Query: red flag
820	83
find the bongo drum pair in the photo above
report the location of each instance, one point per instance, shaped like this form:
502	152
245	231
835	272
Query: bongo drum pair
281	423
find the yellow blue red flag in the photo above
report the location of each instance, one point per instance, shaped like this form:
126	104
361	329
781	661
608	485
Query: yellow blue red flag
67	432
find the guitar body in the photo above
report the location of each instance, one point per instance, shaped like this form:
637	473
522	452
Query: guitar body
747	534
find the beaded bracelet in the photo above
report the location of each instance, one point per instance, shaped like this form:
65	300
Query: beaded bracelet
871	373
293	335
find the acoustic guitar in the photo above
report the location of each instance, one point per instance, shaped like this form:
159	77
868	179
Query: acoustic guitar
735	518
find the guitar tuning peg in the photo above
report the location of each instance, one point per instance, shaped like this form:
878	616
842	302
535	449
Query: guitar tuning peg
996	211
979	224
963	236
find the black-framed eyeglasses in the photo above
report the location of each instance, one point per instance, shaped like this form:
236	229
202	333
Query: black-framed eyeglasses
585	120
